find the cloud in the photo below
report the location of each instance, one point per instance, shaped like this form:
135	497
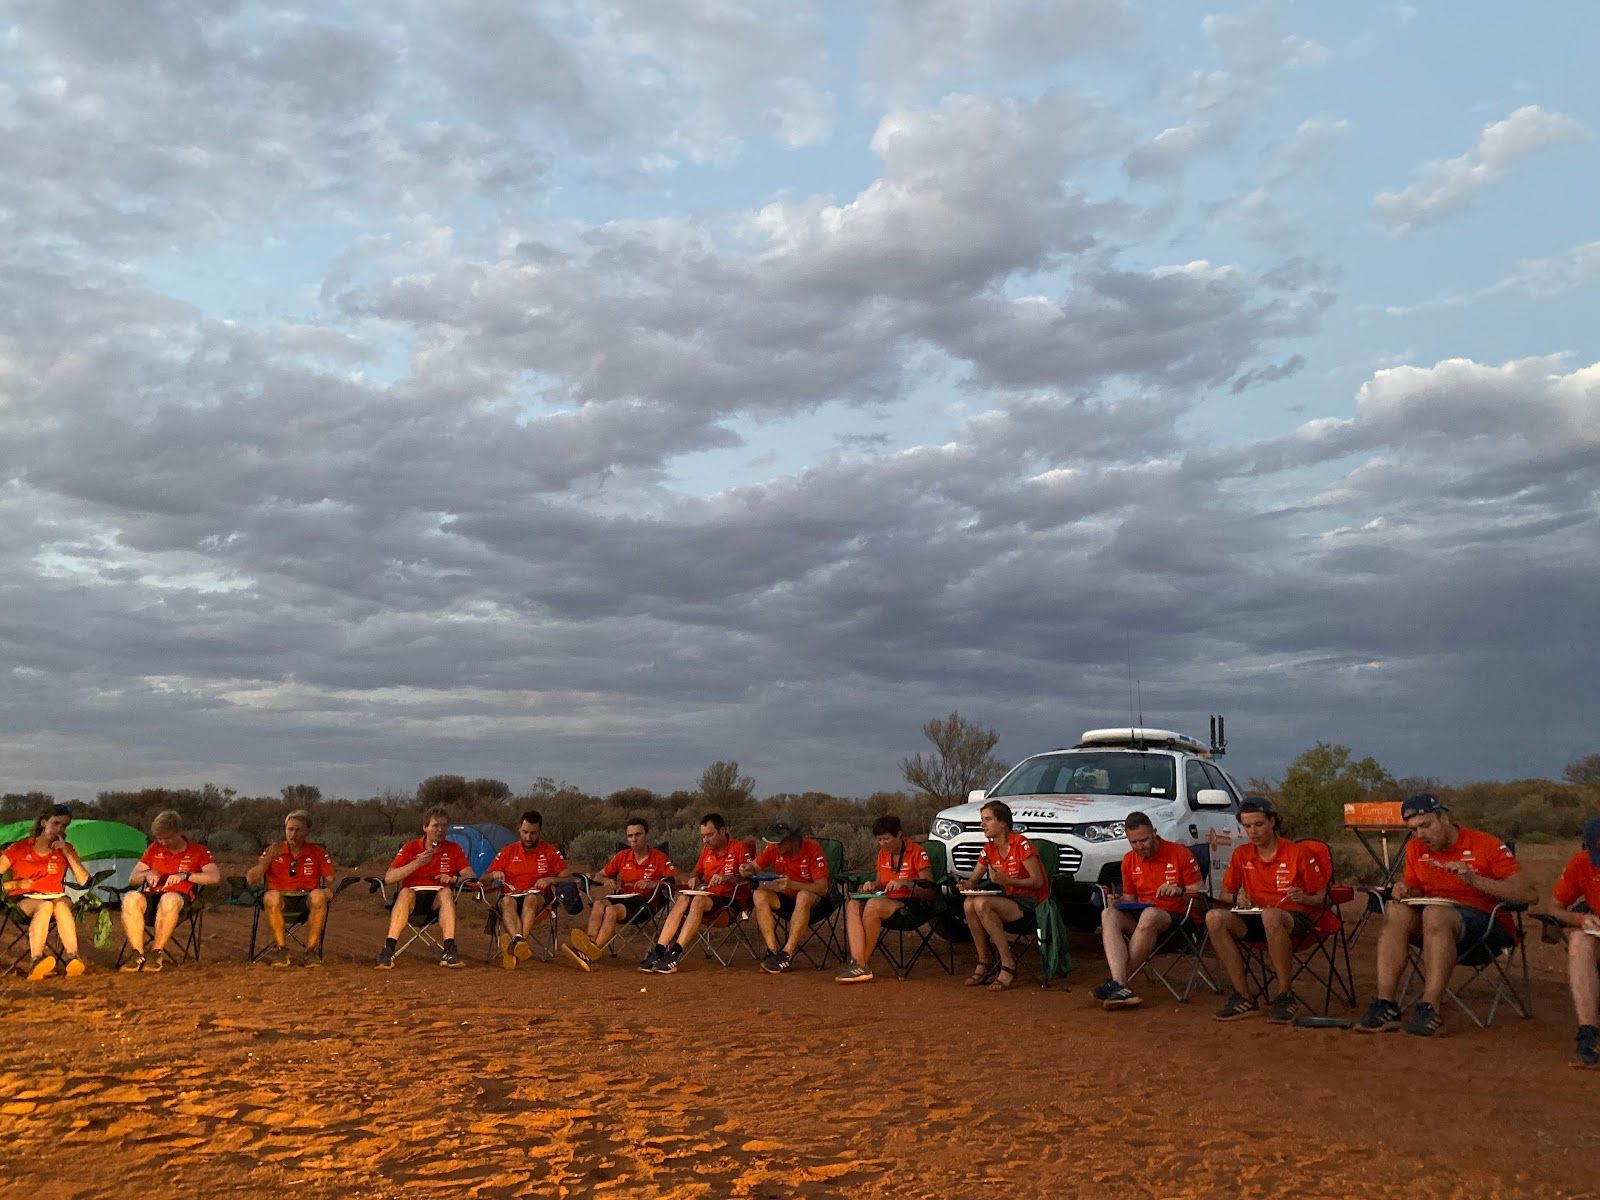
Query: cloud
1444	187
1535	278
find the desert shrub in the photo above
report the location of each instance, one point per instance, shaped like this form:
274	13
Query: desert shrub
235	843
592	849
683	842
860	847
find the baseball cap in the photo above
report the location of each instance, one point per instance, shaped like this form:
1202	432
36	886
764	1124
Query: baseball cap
1422	802
1258	804
1591	839
779	831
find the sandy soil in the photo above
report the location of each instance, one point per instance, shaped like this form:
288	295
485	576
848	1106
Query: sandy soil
227	1079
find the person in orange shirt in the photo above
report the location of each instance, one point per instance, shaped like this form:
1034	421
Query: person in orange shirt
1580	880
1010	867
171	873
532	871
640	877
716	871
803	880
1158	877
1289	884
427	870
901	866
39	865
299	869
1444	861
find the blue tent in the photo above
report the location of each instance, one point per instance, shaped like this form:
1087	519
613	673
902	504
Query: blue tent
481	842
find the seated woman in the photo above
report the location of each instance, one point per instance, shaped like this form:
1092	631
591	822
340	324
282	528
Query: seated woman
901	864
38	886
1010	866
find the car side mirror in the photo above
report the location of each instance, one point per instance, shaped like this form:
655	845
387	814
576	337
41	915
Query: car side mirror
1212	798
976	796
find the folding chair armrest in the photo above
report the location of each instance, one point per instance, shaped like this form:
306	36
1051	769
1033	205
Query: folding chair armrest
349	881
242	892
1551	931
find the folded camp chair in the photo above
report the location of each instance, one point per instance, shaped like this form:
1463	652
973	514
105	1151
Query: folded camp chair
1321	958
1044	932
1493	976
1178	961
549	920
907	936
422	922
185	937
825	938
296	913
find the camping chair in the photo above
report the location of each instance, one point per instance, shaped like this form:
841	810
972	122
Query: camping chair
727	930
1495	976
920	931
185	937
1044	932
825	937
645	923
1182	948
15	922
296	913
1321	957
422	922
548	921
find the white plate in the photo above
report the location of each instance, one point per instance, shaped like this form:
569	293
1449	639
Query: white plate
1425	901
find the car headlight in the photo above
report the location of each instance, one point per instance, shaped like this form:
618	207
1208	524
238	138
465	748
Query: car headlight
946	830
1102	831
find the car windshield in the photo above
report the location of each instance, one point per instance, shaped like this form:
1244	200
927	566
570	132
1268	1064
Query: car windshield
1091	773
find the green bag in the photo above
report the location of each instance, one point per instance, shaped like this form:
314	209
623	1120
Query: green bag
102	929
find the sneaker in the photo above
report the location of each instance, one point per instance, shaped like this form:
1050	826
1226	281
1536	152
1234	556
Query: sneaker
1123	997
657	952
522	950
1383	1016
1425	1020
1104	991
1588	1052
41	967
584	944
450	958
75	967
667	963
385	959
155	960
313	956
854	973
785	960
283	957
769	964
508	956
1282	1010
577	958
1237	1008
133	966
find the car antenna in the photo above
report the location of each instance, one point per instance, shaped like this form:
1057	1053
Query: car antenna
1140	686
1219	734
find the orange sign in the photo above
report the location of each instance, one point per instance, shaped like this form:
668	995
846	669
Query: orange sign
1374	815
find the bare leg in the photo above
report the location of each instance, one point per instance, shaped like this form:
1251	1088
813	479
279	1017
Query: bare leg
1116	927
1279	925
316	916
447	914
535	908
1226	930
403	904
1441	930
766	906
133	908
1153	922
1583	972
692	919
272	905
872	918
800	923
66	926
168	910
1399	924
677	917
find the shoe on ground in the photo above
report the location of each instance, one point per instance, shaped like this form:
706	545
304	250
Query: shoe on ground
1425	1020
769	964
854	973
577	958
41	968
785	960
133	966
385	959
75	967
667	962
1382	1016
1282	1010
584	943
313	956
1104	991
653	957
1587	1053
155	960
508	956
451	958
1123	997
283	957
1237	1008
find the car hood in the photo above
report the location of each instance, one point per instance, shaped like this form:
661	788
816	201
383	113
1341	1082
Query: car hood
1076	810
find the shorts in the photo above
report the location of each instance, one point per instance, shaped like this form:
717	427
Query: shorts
913	912
1028	921
636	908
1255	930
1478	932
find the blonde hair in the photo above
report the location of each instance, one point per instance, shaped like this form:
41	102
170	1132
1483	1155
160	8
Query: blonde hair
298	814
166	822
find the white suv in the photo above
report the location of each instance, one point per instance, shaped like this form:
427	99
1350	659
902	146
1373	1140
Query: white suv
1078	798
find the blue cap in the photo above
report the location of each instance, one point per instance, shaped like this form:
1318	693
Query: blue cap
1422	802
1591	839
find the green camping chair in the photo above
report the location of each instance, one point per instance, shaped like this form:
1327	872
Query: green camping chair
1044	932
825	938
14	922
296	913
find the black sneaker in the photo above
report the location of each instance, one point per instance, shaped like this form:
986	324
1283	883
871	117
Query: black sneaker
1123	997
1237	1008
385	959
1588	1052
133	966
1383	1016
785	960
450	958
854	973
769	964
1104	991
651	959
667	964
154	961
282	957
1425	1020
1282	1010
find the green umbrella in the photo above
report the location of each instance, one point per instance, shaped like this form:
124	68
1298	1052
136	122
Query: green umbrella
91	839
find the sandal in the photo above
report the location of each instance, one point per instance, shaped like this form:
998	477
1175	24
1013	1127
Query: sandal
981	974
1003	979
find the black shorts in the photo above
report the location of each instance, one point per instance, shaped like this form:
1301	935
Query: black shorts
1028	921
1255	930
1478	933
635	907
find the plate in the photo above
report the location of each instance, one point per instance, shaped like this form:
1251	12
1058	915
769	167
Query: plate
1248	912
1425	901
697	892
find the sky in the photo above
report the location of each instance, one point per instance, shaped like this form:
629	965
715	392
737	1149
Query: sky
597	389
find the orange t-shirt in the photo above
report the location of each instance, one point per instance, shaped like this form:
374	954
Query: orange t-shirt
721	862
1486	854
808	864
449	862
637	877
303	872
1580	878
33	873
896	870
1265	881
163	862
523	868
1013	861
1171	863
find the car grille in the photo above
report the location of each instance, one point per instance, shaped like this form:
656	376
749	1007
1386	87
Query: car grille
964	858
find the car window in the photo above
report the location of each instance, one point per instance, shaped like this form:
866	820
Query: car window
1219	780
1194	779
1091	773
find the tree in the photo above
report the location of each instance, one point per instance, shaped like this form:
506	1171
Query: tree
302	795
723	788
961	760
1583	772
1319	783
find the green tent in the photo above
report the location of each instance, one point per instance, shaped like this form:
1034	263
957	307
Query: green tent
91	839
